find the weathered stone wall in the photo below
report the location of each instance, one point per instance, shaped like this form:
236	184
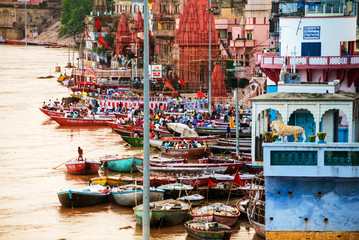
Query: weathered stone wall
12	20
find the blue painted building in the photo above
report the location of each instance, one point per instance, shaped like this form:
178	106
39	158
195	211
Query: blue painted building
312	190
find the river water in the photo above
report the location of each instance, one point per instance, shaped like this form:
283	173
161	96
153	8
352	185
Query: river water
32	145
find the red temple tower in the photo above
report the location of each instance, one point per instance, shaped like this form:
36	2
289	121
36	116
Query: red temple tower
123	36
219	86
192	38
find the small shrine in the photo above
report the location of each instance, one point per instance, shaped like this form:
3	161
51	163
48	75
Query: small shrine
123	36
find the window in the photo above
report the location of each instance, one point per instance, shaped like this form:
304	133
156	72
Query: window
311	49
249	36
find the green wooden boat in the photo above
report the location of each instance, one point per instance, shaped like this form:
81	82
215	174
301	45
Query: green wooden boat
164	213
208	230
134	142
122	164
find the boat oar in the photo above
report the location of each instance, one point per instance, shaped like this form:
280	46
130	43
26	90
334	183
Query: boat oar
69	160
64	163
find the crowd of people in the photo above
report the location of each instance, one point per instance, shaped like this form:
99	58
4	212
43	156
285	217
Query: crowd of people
183	144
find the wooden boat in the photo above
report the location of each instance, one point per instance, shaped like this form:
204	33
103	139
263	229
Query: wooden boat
164	213
184	152
256	205
156	181
195	181
51	113
178	171
121	115
208	230
221	190
132	195
86	87
134	142
217	212
222	132
208	140
101	121
82	197
82	167
175	190
164	160
112	181
122	164
230	167
193	200
221	149
242	204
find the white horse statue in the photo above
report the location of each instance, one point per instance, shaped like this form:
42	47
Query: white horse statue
285	130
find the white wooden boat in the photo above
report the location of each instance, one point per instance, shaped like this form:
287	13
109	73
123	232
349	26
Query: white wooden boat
132	195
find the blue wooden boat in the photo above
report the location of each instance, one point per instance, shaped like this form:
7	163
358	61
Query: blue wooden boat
83	197
121	164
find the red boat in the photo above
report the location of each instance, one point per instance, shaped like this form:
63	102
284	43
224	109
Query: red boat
82	167
86	87
194	181
17	42
81	121
230	167
184	152
51	113
156	181
121	115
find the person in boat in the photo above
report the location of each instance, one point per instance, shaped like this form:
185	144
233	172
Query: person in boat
80	152
135	135
106	190
44	106
152	134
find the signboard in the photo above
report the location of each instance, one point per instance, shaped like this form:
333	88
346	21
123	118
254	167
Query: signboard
155	71
311	33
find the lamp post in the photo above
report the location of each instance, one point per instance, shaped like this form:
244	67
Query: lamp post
236	70
136	29
210	10
146	131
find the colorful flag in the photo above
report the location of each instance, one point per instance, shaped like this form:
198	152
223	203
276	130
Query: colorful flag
88	37
90	71
98	24
201	94
182	82
159	22
169	85
237	180
211	184
102	42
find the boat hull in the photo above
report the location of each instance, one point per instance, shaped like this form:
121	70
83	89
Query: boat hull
210	234
111	181
125	164
81	199
133	198
162	218
186	152
80	121
52	113
82	167
134	142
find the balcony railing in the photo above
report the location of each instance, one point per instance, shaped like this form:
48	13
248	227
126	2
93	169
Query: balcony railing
242	43
276	61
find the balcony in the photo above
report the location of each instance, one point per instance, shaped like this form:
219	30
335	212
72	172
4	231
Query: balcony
242	43
323	10
276	62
